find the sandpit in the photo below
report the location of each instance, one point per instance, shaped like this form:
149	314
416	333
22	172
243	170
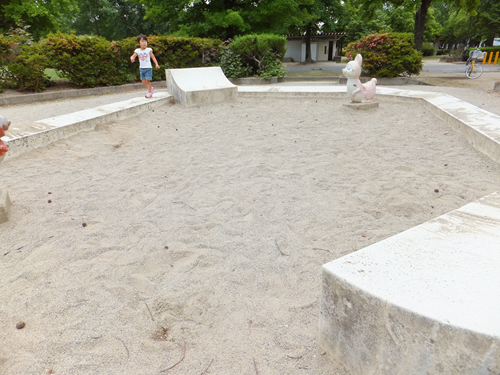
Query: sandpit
194	237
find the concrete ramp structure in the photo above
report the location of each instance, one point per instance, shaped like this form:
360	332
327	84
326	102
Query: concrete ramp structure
198	86
425	301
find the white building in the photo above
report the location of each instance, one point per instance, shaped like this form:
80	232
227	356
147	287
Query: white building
323	47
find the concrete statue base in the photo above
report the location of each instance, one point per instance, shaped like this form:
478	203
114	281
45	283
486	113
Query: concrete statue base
362	106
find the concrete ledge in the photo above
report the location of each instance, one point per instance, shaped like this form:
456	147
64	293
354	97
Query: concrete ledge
396	81
254	81
42	133
332	79
198	86
362	106
4	206
496	86
425	301
74	93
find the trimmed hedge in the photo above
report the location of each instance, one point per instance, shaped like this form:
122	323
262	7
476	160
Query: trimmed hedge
89	61
483	49
22	64
171	53
86	61
387	54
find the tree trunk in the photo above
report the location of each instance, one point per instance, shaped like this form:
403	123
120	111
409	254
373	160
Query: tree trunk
308	45
436	45
420	24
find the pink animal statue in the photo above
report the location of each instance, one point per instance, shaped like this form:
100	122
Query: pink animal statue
355	89
4	126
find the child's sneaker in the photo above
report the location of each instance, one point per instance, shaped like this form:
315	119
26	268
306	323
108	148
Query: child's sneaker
148	95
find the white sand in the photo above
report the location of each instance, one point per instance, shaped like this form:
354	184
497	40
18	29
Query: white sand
250	198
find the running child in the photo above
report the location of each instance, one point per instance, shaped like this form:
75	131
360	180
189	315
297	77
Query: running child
145	56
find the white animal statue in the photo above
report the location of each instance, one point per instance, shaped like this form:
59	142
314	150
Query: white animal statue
356	91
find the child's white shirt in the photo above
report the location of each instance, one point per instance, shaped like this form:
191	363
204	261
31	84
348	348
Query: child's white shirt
144	57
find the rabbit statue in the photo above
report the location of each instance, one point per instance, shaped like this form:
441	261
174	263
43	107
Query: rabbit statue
4	125
355	89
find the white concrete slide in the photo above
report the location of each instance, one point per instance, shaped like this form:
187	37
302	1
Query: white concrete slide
425	301
199	86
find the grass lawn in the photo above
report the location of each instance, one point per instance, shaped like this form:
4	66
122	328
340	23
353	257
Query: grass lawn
52	74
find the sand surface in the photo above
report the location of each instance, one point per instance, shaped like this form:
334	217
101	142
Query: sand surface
194	238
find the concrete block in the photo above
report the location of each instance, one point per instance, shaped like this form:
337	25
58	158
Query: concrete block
199	86
362	106
496	86
4	206
76	93
425	301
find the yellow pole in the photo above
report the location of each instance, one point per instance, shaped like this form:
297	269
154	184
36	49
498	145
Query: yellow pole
496	58
485	58
489	61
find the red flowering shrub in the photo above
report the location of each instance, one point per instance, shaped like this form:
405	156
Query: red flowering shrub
387	54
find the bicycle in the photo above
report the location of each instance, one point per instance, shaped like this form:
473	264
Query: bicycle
473	70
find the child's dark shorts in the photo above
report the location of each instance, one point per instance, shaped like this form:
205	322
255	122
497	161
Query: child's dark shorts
147	74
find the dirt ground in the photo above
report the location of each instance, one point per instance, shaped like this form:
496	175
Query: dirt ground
190	241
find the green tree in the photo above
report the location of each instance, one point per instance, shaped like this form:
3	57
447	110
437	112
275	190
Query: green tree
487	23
363	21
43	16
321	15
456	27
224	18
111	19
422	7
400	19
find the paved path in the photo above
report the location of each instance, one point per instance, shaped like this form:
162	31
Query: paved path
432	66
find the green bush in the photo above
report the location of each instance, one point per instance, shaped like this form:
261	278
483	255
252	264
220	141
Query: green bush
7	46
387	54
87	61
28	71
22	63
442	52
483	49
170	52
232	64
263	53
427	49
